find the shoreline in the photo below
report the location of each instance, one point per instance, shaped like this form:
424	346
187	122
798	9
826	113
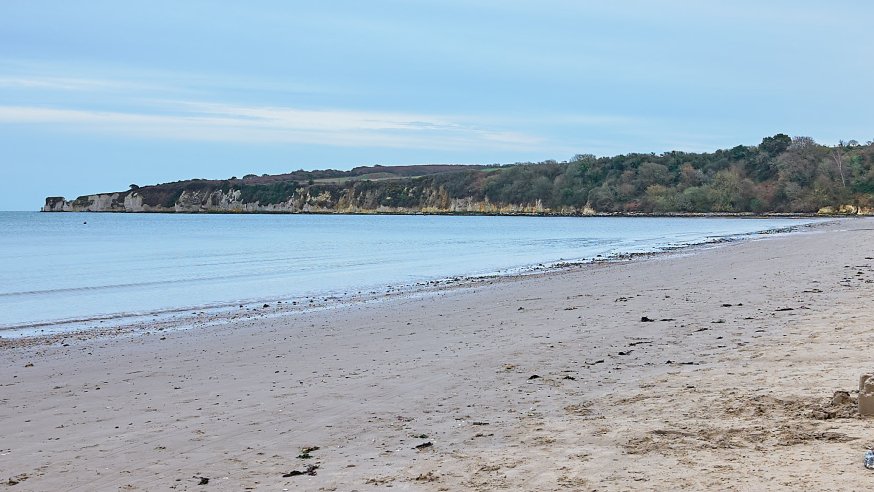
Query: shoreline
550	382
202	316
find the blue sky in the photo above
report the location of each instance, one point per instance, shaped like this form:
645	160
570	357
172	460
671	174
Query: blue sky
95	95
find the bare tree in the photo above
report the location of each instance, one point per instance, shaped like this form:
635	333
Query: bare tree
837	154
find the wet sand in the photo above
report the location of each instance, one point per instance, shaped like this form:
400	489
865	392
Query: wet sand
550	382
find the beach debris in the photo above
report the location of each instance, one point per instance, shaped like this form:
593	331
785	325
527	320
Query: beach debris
627	352
266	305
682	363
521	308
785	309
424	445
533	376
726	305
203	480
869	459
17	479
638	342
311	471
305	452
645	319
719	321
29	364
668	319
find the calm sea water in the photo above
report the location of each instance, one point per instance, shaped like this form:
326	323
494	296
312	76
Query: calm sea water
56	267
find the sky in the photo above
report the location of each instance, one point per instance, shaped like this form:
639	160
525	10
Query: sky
96	95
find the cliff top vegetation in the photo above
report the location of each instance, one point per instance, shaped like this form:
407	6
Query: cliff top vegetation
782	174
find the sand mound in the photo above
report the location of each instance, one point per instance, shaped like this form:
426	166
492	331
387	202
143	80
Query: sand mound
755	422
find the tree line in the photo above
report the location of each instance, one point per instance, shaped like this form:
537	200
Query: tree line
781	174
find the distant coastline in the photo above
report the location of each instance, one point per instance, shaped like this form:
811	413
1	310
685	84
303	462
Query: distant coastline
781	176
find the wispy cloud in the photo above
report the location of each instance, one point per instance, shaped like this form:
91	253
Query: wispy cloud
255	124
66	77
55	83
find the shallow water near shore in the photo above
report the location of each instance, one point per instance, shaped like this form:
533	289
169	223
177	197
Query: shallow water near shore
58	268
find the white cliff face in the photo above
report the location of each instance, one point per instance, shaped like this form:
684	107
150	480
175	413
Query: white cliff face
216	201
133	202
102	202
348	200
54	204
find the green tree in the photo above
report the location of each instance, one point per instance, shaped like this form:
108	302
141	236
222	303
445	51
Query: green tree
775	145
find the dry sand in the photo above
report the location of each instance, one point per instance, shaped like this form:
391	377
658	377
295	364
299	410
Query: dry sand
759	334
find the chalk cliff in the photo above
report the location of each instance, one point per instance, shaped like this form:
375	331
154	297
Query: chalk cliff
347	201
438	189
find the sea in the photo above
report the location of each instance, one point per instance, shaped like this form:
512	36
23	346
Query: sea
66	271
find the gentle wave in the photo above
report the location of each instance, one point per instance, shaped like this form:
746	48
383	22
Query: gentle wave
57	270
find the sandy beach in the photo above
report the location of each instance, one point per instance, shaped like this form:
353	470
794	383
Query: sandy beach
546	382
